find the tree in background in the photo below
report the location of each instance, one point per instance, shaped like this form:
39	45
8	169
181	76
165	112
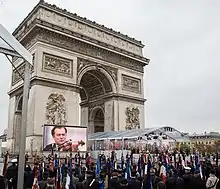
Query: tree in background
216	146
185	148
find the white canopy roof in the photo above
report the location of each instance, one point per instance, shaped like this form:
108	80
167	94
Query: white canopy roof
135	133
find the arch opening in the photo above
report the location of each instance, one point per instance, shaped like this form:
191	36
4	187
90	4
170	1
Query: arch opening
99	121
19	106
94	84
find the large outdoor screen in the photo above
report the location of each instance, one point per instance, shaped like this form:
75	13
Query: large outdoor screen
64	138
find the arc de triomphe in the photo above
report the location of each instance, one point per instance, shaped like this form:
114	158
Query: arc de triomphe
84	72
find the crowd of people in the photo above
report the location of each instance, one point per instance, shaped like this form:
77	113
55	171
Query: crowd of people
148	172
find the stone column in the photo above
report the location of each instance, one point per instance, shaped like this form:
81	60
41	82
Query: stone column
109	116
115	115
91	126
84	116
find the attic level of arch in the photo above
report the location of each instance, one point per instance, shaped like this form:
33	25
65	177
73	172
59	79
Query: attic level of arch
71	26
38	34
46	5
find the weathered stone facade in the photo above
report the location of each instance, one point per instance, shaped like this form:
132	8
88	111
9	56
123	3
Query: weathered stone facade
83	74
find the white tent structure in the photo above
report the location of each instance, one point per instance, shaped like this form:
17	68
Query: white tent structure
123	141
149	133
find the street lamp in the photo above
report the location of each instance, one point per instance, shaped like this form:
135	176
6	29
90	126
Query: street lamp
9	46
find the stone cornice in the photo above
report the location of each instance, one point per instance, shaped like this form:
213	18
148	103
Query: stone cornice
22	36
71	87
47	83
114	96
71	23
38	34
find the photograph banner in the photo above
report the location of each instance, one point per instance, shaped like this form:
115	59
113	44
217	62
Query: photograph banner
64	138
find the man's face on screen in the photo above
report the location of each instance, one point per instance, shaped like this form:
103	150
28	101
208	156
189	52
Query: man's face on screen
60	136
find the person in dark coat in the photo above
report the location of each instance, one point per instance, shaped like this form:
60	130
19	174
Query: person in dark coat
155	180
28	178
88	182
113	180
188	178
161	185
122	184
2	183
133	182
198	183
218	172
11	175
174	181
181	170
120	177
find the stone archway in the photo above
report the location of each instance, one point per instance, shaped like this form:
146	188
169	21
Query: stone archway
97	120
88	64
17	125
96	83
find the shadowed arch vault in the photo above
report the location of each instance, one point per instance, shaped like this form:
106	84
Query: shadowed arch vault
94	83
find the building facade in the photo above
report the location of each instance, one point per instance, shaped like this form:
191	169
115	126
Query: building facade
83	74
204	139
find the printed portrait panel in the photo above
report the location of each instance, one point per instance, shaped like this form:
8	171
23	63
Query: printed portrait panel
64	138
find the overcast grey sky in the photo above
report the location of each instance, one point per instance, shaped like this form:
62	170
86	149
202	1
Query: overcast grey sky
182	40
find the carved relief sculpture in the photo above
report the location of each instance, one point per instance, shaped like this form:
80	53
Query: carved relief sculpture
56	110
132	118
131	84
57	65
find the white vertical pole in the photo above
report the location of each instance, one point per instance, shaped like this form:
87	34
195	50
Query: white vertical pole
21	163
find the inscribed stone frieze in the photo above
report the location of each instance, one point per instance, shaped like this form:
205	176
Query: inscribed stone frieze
92	32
